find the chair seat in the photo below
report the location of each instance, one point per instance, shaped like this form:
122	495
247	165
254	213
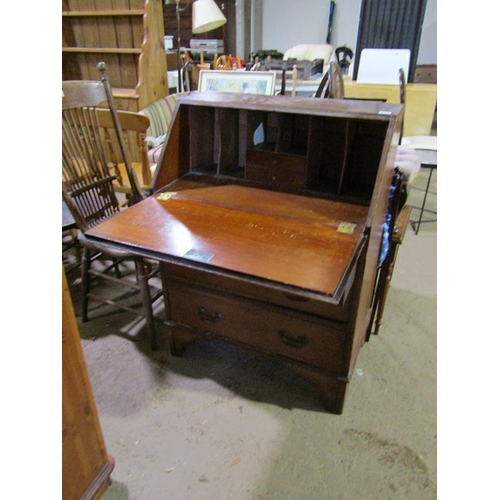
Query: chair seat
124	185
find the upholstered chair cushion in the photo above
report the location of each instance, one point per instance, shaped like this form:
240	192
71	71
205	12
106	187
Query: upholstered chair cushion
310	52
160	115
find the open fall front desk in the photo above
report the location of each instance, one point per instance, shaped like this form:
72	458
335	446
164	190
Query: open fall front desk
267	216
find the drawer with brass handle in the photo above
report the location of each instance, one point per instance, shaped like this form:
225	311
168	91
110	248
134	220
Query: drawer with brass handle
269	329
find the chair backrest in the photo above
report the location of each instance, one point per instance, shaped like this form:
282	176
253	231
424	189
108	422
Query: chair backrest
222	62
87	184
187	78
289	76
135	128
344	57
402	86
332	83
402	95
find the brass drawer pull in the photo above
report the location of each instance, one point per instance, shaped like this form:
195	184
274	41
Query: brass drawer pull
295	342
207	317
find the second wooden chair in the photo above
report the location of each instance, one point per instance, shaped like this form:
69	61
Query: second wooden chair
88	188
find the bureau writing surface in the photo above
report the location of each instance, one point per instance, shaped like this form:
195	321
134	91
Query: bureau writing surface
281	237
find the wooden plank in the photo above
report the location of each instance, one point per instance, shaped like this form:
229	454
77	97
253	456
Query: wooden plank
122	26
100	50
125	36
103	13
152	68
108	40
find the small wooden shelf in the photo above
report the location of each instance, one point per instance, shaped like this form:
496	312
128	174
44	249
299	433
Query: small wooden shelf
97	13
101	50
129	41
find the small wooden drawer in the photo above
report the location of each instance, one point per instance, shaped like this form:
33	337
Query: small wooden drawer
276	169
281	297
280	161
263	328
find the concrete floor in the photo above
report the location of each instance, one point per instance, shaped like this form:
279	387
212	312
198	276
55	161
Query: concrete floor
223	423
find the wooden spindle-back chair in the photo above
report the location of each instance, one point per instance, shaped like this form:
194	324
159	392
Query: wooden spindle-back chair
88	188
332	83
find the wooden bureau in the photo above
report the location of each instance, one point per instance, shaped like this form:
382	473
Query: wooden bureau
267	216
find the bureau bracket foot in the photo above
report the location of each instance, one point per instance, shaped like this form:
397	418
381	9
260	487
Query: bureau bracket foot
179	339
332	389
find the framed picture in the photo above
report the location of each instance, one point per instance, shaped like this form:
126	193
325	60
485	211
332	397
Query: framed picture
241	82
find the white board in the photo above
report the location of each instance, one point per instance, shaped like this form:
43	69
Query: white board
382	65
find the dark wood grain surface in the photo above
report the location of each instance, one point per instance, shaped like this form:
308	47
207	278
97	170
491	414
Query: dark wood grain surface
277	236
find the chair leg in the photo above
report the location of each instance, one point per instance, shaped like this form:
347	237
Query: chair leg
416	225
86	262
166	301
142	270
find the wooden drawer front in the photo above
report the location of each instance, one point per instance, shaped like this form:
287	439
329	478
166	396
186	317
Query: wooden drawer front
280	161
298	300
264	328
278	169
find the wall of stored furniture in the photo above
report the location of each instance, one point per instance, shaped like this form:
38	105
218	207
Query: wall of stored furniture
86	466
128	36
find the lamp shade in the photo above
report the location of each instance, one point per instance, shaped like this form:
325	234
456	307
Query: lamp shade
206	16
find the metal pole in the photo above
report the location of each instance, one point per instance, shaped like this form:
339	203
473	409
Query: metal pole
178	17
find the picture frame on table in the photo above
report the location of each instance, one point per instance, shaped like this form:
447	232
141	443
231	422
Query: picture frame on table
240	82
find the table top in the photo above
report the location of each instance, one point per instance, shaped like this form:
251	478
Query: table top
428	157
290	239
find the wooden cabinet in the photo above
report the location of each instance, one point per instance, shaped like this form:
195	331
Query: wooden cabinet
267	217
86	466
128	36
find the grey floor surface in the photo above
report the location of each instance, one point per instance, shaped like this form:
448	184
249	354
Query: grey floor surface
223	423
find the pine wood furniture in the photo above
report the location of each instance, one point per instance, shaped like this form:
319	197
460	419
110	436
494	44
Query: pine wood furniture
128	37
86	465
421	100
267	216
420	103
